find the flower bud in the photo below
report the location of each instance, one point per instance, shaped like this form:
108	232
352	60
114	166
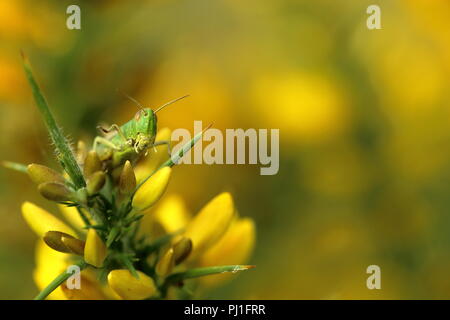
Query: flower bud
165	265
53	240
41	174
152	190
127	180
64	242
55	191
95	250
75	245
96	182
182	249
81	151
92	164
129	287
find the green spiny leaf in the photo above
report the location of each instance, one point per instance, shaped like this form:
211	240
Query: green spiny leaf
127	262
15	166
200	272
112	236
62	147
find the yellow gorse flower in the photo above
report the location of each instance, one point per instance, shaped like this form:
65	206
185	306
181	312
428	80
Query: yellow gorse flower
124	255
214	236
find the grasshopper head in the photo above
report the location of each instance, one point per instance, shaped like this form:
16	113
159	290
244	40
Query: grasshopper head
145	122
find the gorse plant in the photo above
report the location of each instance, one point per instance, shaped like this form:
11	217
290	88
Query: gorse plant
124	249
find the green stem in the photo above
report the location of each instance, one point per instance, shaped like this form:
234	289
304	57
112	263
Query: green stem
65	154
57	282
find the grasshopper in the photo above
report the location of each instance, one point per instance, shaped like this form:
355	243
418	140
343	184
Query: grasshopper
131	140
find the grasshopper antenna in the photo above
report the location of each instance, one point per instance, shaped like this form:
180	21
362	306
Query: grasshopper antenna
170	102
132	99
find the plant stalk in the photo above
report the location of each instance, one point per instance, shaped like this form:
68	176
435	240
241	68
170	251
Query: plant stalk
57	282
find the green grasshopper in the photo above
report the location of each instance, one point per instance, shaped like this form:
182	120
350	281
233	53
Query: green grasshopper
132	139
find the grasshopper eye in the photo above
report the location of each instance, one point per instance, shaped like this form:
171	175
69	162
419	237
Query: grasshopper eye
137	116
141	112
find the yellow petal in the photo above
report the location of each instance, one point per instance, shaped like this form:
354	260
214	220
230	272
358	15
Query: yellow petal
91	275
110	293
172	213
234	247
73	217
152	190
40	221
49	264
95	250
165	265
130	288
169	216
154	159
90	289
210	224
150	229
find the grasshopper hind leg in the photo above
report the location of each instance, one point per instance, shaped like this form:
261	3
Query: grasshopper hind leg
105	142
113	127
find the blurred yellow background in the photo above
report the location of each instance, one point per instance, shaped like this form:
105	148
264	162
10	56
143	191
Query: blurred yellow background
364	121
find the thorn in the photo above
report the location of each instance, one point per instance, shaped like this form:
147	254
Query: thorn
246	267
